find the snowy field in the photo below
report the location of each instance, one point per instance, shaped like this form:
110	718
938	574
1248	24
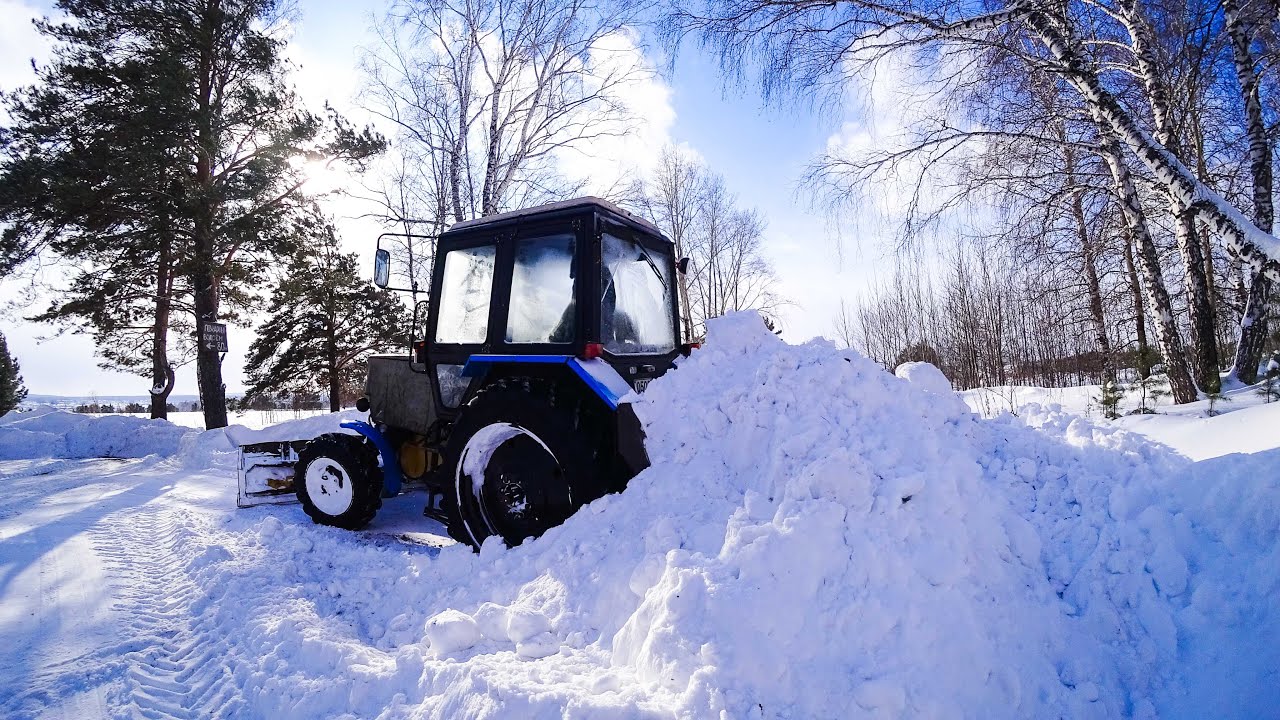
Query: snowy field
1246	423
816	538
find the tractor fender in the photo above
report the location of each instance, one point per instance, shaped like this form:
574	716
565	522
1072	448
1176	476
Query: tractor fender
630	434
390	465
596	374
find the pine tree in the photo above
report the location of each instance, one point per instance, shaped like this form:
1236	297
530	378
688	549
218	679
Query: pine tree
1214	399
324	319
1151	390
1110	400
159	155
12	391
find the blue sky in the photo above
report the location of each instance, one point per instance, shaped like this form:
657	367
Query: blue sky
761	151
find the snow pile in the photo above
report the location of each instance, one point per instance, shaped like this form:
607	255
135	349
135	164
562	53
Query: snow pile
815	538
855	537
48	432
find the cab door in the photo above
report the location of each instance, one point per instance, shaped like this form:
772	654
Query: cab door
465	316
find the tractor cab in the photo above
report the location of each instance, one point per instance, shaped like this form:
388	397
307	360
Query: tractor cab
580	279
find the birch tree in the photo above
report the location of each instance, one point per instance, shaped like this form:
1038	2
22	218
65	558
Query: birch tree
728	270
492	91
803	48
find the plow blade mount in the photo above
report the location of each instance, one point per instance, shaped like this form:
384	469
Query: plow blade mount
266	472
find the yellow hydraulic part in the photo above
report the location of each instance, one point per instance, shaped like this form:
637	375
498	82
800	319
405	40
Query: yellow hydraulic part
416	459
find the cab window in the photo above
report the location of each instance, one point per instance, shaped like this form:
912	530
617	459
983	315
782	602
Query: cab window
542	308
636	298
465	295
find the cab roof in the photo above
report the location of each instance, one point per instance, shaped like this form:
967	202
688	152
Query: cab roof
563	207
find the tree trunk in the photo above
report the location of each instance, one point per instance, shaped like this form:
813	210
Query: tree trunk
488	191
456	151
331	357
1253	331
1143	361
213	394
1253	323
161	371
1088	257
1255	126
1204	340
1175	362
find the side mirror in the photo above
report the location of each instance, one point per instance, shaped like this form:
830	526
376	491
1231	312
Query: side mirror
382	268
683	265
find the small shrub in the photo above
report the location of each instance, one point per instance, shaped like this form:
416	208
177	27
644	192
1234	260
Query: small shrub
1110	400
1214	399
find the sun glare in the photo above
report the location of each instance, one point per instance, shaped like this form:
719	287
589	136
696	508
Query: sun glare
323	178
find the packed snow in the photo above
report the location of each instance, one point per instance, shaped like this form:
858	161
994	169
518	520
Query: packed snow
815	538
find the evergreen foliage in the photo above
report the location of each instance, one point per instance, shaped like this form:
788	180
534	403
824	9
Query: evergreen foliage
919	352
1269	386
324	319
1150	390
12	391
1110	400
1214	399
162	156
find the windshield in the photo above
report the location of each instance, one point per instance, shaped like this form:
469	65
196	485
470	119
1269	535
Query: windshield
636	288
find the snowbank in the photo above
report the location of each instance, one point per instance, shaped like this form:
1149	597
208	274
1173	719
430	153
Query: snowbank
45	431
48	432
815	538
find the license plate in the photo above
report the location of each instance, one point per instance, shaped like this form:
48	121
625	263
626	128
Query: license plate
642	384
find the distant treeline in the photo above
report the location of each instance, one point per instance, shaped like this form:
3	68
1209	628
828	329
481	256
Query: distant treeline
279	401
133	407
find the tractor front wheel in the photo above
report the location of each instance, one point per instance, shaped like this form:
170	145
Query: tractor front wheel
524	458
338	482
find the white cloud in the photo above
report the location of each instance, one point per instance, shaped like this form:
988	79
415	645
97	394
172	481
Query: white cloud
610	161
19	43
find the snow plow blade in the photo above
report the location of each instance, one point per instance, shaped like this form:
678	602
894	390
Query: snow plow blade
266	473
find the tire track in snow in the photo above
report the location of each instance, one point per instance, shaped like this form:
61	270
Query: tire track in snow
184	668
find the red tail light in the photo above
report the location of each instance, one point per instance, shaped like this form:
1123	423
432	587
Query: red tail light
592	351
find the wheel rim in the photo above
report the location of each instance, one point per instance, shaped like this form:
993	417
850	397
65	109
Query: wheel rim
512	481
329	486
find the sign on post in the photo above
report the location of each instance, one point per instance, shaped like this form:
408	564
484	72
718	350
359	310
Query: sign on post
213	336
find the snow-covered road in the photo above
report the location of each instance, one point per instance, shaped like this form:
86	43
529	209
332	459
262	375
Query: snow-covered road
816	538
107	603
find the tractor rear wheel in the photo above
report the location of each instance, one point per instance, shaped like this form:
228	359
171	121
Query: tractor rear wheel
338	482
524	455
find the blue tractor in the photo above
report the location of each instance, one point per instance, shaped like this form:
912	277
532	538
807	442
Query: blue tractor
511	405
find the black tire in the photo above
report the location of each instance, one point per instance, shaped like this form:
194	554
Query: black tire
543	450
345	480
